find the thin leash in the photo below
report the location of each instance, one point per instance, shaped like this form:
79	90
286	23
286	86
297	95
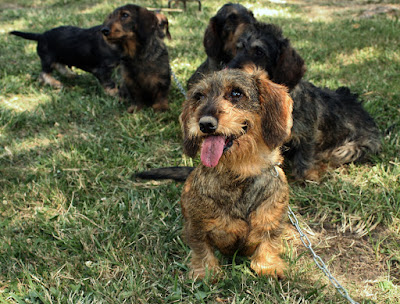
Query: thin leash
317	259
178	84
303	237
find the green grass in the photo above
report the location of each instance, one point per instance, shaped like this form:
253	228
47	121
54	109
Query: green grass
76	228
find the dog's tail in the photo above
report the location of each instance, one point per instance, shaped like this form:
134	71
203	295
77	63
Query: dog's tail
29	36
176	173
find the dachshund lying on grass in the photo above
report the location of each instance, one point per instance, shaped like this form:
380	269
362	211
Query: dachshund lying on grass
330	128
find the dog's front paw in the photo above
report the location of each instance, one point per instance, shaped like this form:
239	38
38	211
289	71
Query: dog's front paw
204	266
269	266
161	105
111	91
205	273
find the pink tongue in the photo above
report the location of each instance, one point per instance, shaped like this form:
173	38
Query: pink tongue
211	150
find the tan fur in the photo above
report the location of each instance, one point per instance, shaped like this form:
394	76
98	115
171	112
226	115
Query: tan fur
46	78
240	204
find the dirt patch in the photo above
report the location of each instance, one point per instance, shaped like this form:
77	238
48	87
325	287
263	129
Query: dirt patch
320	9
356	262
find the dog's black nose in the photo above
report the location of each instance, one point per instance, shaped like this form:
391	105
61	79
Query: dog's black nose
208	124
105	31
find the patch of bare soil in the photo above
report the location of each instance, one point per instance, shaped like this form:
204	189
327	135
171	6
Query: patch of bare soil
320	9
356	262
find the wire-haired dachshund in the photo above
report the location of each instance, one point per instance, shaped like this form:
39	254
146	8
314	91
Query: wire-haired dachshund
68	46
145	66
330	128
236	199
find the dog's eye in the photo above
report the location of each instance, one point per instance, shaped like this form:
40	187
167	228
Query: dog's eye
259	52
198	96
235	95
124	15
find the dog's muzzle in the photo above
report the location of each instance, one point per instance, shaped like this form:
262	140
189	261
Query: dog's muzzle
105	31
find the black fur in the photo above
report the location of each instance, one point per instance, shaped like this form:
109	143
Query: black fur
74	46
175	173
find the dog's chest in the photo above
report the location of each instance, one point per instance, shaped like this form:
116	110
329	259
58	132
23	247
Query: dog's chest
234	199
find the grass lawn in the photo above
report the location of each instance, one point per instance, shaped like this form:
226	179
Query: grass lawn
76	228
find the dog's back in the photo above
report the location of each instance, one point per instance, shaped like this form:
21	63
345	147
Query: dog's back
83	48
73	46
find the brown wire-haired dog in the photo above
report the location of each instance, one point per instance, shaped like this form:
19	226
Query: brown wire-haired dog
220	38
145	64
330	128
237	198
67	46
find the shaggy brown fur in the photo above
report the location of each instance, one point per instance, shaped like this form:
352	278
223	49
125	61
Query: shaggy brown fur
145	63
237	199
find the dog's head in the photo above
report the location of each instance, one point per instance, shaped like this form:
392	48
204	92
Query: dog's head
263	45
224	28
129	26
163	26
237	119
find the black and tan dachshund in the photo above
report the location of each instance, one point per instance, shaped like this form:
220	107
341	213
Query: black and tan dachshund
145	66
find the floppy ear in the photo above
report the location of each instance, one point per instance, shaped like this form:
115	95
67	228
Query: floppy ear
147	23
167	31
212	40
276	111
290	66
190	144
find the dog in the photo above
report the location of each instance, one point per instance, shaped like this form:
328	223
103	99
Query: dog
330	128
220	37
236	199
145	68
67	46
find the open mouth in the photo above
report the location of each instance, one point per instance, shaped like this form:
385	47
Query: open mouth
229	140
215	145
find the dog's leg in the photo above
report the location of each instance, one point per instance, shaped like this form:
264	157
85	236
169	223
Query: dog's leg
160	98
303	161
47	60
46	78
161	105
104	75
268	225
203	260
63	70
266	260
